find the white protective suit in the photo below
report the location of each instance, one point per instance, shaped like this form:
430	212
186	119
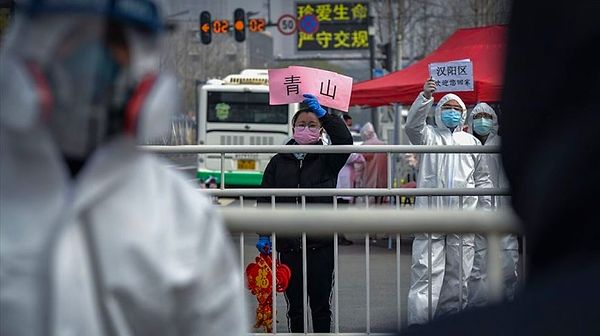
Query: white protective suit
126	245
443	171
478	291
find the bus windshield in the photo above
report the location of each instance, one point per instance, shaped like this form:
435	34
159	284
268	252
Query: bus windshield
244	107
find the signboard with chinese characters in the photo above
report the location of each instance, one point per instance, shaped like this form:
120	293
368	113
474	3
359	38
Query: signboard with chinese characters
287	86
331	26
452	76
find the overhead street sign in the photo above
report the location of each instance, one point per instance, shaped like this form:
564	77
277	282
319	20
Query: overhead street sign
287	24
332	26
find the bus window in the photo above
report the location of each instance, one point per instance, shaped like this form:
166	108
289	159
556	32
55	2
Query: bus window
244	107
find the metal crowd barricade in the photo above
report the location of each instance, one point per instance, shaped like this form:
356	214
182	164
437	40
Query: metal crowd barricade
325	221
389	149
495	283
352	221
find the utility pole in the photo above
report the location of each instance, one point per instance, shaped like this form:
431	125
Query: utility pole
397	40
269	12
371	30
391	29
399	34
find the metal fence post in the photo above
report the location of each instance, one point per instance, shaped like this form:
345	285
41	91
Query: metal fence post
223	170
304	284
274	279
429	261
461	256
368	282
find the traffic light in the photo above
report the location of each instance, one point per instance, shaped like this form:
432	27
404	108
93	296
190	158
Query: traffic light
239	25
205	28
387	61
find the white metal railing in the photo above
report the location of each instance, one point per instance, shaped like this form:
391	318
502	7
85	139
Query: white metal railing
325	221
492	224
389	149
199	149
333	192
302	193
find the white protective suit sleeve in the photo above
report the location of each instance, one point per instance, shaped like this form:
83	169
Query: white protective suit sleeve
416	128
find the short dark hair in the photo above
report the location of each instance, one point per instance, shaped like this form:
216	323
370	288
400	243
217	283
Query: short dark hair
300	111
346	116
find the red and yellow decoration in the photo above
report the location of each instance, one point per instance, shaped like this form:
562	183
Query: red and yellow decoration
258	277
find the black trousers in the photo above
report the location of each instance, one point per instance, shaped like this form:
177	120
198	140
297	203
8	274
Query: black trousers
319	283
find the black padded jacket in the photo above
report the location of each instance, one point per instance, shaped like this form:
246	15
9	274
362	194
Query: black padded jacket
314	171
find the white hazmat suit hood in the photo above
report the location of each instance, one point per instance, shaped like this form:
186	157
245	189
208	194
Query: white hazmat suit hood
55	70
438	111
483	108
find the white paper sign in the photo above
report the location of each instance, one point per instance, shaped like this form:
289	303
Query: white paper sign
453	76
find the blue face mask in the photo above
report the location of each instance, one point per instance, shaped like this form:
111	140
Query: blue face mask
482	126
451	118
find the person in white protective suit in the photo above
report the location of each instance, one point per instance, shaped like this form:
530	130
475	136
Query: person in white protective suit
483	123
97	237
448	287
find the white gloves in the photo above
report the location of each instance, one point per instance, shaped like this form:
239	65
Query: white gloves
429	88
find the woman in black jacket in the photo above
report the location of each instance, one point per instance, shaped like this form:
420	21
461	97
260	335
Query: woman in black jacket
308	170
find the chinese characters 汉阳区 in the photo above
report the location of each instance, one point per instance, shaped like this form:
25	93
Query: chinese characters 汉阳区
451	70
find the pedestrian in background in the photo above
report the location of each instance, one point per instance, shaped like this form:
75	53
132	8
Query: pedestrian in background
98	237
441	170
347	179
307	170
375	172
347	120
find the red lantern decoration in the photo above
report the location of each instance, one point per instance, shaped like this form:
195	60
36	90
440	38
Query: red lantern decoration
258	280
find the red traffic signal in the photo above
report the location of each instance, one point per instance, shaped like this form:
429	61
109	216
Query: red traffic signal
239	25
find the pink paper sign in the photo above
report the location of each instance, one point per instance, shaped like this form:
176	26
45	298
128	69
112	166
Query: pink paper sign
289	84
